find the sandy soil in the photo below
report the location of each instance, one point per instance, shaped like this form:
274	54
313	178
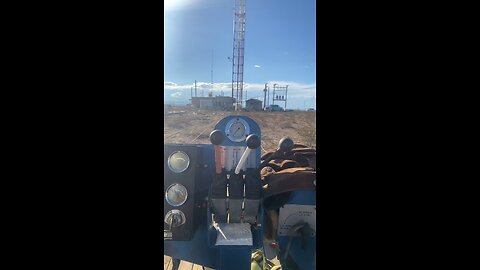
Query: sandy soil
187	125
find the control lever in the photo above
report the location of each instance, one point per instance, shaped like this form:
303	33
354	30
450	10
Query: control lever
170	222
253	142
216	138
285	144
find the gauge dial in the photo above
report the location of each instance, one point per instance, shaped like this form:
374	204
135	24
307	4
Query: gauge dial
178	162
176	194
237	130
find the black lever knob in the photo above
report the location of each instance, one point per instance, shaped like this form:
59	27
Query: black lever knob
253	141
285	144
217	137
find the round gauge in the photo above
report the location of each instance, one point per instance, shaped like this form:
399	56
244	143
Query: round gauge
176	194
178	162
237	130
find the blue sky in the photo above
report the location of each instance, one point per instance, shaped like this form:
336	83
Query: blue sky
280	47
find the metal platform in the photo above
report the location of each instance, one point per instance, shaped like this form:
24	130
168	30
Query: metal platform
184	265
167	264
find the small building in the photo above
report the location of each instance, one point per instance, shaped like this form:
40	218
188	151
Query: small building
253	105
206	104
202	102
224	103
218	103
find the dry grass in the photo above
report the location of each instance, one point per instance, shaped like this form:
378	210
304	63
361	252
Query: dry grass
194	126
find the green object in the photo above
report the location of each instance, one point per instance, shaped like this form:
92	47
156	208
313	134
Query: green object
266	264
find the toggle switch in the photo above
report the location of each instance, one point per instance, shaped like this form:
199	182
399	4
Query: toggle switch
174	218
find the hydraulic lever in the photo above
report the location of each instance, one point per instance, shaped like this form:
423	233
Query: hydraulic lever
285	144
253	142
218	189
216	138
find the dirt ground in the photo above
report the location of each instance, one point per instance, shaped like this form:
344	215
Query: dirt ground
189	125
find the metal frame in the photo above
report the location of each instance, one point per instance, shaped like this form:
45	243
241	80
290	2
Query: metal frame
238	52
280	90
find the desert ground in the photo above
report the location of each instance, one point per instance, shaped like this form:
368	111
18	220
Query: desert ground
191	125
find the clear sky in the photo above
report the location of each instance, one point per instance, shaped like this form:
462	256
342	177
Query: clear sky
280	47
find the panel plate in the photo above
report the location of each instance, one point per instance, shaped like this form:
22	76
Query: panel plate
237	234
292	214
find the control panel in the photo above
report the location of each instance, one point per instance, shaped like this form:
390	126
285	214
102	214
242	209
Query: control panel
235	189
181	169
213	215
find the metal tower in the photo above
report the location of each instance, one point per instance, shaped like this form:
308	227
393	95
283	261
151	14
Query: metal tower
238	52
280	94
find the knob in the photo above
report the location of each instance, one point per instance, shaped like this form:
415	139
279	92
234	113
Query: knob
217	137
285	144
253	141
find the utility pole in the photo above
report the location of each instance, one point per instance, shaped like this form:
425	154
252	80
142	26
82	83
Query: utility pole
273	98
265	97
286	91
268	95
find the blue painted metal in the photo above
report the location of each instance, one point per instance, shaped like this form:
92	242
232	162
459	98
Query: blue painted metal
201	249
304	257
196	250
238	257
304	197
254	129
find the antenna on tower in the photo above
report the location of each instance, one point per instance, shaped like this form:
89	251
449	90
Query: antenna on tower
211	78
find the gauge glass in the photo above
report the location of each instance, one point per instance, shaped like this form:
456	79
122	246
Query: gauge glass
176	194
178	162
237	130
